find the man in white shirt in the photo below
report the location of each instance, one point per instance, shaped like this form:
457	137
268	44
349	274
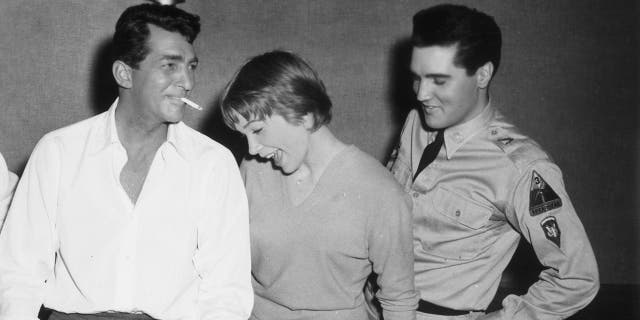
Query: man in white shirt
131	214
8	182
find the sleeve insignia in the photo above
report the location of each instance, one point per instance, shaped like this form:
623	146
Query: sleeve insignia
541	197
551	229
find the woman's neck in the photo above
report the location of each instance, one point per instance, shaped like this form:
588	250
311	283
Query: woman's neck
323	147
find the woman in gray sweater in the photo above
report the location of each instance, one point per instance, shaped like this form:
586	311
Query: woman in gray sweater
323	215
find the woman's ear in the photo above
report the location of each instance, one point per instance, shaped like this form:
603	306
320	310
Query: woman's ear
122	73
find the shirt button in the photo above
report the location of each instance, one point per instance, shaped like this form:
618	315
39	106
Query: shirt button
415	194
457	213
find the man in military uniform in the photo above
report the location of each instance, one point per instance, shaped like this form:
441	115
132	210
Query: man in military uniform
478	184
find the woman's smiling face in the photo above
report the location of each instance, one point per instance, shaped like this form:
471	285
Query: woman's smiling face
276	139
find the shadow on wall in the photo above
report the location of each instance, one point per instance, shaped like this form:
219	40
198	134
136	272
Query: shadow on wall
213	126
400	96
103	88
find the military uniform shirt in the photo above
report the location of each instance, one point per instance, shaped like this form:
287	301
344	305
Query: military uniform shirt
488	185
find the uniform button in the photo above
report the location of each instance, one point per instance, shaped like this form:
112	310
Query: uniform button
457	213
415	194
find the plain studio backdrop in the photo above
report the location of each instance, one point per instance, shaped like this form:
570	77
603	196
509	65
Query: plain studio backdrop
568	78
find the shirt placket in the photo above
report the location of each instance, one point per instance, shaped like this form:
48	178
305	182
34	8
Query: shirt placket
125	259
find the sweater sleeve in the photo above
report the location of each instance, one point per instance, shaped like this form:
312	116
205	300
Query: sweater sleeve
391	252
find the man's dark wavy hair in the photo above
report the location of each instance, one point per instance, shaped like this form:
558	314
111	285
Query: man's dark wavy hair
132	29
476	34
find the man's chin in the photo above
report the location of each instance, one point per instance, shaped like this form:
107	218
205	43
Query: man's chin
433	123
175	115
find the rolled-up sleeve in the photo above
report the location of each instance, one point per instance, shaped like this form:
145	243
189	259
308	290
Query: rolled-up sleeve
27	244
8	182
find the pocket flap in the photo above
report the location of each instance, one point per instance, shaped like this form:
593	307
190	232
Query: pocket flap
461	209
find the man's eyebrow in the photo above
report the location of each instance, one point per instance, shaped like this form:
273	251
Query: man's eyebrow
175	57
431	75
437	75
434	76
178	57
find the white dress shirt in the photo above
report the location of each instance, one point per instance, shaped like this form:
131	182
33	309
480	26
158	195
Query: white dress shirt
74	241
8	182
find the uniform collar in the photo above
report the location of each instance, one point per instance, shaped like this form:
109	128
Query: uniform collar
456	136
105	135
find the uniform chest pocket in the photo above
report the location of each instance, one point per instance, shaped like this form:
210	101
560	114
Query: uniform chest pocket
461	209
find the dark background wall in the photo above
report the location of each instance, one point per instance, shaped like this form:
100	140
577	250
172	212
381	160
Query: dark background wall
569	78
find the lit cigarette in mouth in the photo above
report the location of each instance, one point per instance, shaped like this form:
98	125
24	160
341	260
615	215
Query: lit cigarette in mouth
191	103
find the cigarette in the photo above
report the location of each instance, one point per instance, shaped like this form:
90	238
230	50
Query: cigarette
191	103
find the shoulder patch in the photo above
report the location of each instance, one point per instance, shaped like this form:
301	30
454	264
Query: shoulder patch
551	230
541	197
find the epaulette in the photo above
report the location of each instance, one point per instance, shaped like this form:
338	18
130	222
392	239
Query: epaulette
520	149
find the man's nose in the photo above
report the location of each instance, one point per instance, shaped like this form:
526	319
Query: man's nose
424	91
186	79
